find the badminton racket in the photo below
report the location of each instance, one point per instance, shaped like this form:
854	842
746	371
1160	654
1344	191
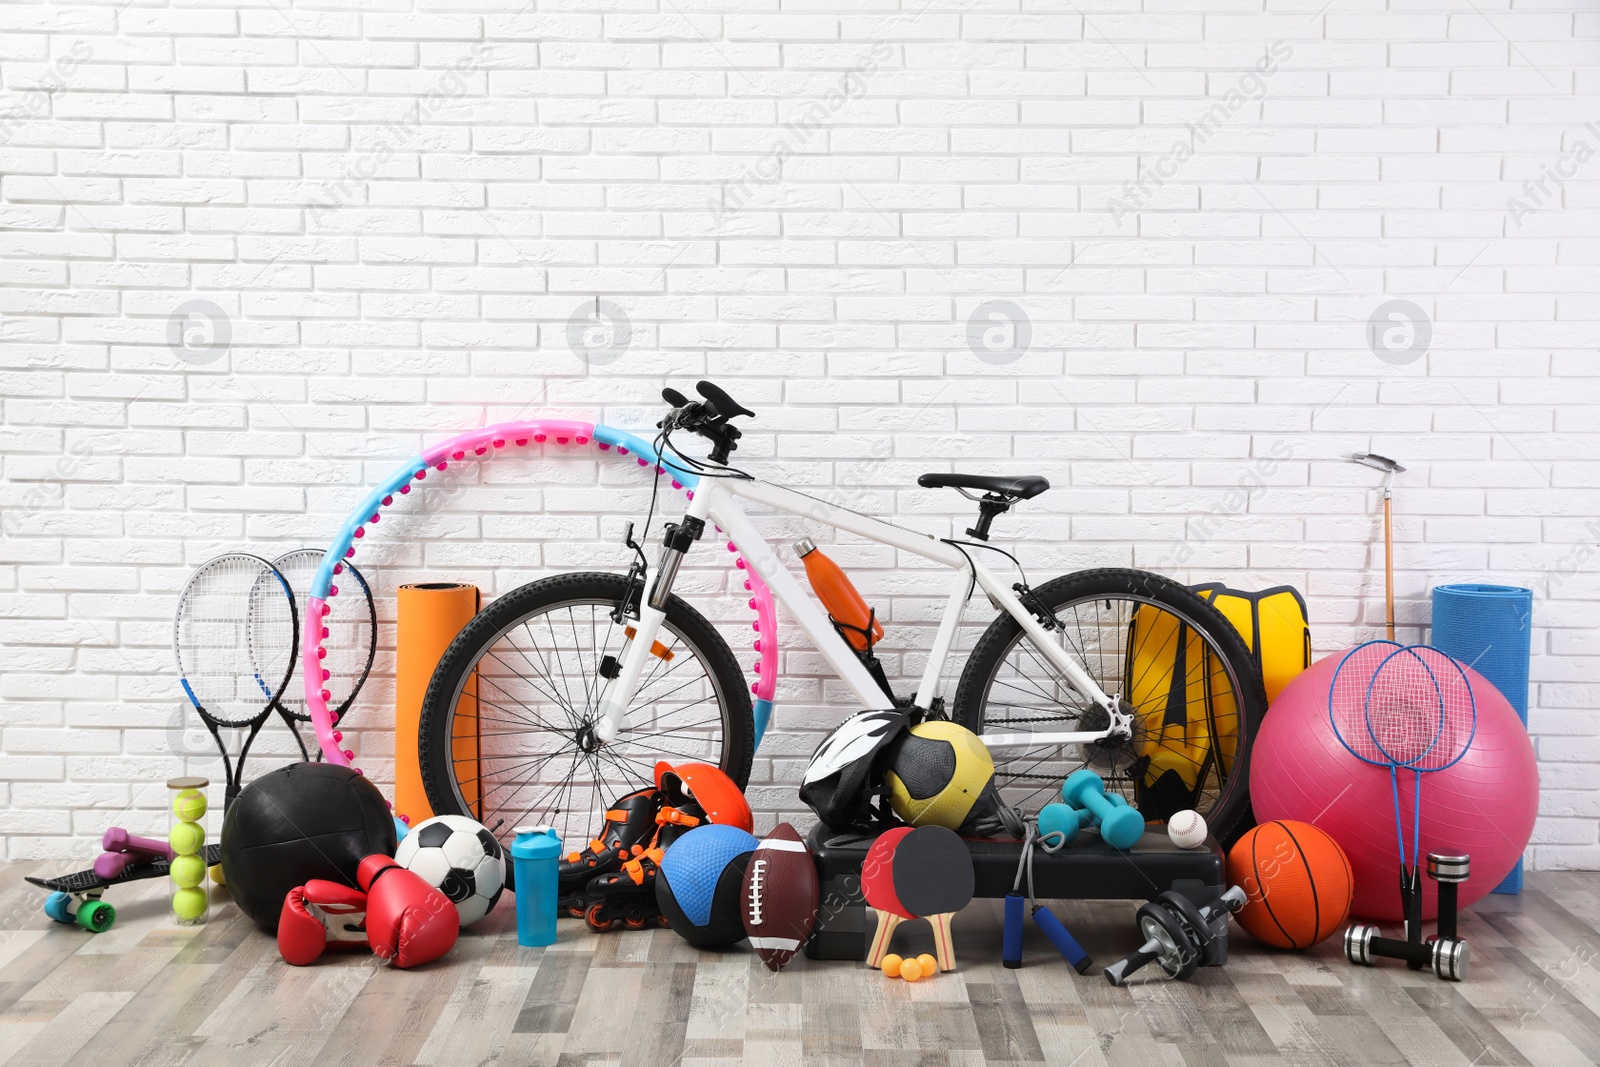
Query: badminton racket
233	637
349	638
1347	712
1421	716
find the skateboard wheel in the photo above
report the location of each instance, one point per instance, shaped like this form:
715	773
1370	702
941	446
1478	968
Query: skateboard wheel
55	906
96	916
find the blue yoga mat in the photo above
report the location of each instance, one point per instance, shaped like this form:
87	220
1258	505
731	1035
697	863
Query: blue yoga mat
1489	628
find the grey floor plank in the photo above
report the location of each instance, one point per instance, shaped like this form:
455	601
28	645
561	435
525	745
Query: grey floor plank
148	994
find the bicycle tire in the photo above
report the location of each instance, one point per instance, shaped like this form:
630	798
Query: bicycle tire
478	638
1230	814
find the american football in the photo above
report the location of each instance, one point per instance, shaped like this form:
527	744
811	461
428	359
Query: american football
779	897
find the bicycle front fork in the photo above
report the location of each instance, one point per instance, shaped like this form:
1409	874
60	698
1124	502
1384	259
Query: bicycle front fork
619	691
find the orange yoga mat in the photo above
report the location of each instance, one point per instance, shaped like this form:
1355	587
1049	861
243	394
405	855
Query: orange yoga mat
429	616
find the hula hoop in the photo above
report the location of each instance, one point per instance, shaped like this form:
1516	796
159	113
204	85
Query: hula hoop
479	443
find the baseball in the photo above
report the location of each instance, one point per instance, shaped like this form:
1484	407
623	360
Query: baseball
1187	829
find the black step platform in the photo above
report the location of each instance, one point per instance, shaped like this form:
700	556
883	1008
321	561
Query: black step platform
1089	869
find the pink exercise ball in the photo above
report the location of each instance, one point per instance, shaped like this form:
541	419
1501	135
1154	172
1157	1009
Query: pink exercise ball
1483	807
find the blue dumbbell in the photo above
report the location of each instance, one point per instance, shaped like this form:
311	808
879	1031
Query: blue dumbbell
1120	825
1061	819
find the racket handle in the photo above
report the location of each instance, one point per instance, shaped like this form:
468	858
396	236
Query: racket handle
1064	942
1414	918
1118	972
1011	954
880	938
943	949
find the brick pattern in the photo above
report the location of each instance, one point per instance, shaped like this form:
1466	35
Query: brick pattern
250	257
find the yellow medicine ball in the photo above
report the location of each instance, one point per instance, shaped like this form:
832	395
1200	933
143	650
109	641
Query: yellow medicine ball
937	773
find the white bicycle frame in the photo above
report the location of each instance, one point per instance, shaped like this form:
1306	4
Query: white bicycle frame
717	499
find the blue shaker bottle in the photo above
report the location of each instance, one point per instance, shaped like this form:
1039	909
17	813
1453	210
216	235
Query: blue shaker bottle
534	855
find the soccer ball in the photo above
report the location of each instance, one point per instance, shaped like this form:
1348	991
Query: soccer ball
459	857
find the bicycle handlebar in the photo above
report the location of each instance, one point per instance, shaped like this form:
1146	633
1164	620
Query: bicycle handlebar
721	403
708	417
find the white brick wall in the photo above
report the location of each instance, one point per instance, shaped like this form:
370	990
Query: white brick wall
394	214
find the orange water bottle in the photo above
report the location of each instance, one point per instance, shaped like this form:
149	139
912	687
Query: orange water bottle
838	594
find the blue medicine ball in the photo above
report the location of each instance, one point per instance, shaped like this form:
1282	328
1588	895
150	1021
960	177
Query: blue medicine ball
698	887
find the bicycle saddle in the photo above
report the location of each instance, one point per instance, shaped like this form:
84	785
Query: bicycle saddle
1022	486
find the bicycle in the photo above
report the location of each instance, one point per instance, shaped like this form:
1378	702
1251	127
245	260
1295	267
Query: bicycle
584	680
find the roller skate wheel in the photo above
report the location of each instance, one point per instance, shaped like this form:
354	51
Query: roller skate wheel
636	924
96	916
597	924
55	906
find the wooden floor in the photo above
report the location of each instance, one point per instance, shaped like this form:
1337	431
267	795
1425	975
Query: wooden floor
149	993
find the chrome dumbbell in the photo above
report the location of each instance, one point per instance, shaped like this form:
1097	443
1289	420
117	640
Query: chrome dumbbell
1446	954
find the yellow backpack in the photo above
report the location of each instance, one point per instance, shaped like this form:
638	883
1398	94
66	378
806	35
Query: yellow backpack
1170	676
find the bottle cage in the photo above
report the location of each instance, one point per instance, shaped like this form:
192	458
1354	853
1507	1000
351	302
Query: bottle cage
874	668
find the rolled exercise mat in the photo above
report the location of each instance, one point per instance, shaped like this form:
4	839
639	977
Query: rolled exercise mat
1490	628
429	615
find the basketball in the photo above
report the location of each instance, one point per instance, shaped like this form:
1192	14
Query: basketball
1298	881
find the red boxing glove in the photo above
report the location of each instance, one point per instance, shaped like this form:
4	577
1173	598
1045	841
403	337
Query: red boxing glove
408	920
317	915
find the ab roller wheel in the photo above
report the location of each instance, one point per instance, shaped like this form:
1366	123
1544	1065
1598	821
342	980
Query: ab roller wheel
1179	936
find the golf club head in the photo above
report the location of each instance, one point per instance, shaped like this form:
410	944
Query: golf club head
1377	462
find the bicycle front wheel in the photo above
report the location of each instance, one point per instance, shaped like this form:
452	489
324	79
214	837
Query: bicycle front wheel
507	729
1174	661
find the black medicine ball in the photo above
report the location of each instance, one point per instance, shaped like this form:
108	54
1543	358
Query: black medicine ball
303	821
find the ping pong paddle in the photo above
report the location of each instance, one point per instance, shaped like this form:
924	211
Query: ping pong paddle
933	879
878	887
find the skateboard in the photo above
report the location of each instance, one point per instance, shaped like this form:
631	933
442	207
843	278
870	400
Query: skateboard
75	898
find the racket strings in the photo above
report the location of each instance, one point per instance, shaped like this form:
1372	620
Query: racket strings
350	631
215	637
1347	700
1421	713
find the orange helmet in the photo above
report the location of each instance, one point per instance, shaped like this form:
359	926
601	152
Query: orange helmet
710	788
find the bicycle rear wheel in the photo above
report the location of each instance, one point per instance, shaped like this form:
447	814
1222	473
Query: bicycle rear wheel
1176	662
506	734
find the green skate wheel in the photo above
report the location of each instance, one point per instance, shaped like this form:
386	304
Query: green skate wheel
96	916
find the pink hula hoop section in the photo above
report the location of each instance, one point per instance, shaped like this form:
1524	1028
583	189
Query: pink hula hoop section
486	443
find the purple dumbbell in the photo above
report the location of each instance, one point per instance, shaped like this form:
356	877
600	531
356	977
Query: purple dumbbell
117	839
123	850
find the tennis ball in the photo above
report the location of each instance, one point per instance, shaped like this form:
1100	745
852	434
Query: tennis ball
891	966
189	805
216	874
929	965
186	837
188	871
189	904
911	971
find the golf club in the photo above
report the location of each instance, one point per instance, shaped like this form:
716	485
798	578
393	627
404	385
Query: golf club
1389	468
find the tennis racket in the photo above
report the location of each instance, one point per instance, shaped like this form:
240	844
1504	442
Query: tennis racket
1421	716
234	639
349	638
